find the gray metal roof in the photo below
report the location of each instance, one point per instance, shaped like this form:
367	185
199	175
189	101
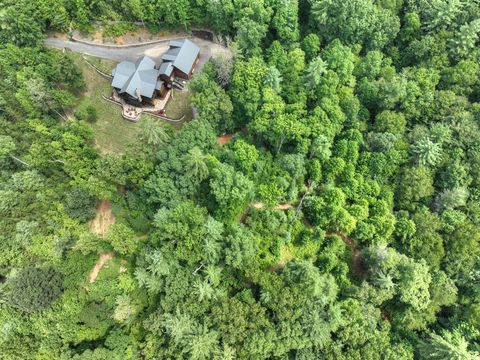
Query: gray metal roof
171	54
182	54
186	56
122	73
166	68
176	43
141	75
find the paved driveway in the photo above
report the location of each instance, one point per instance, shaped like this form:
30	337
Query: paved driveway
131	53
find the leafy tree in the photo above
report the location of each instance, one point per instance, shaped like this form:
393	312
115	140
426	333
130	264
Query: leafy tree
355	22
448	345
196	164
465	39
79	204
340	59
391	122
285	20
311	46
125	309
212	103
450	199
414	184
231	191
314	72
153	132
122	238
244	155
273	79
7	146
251	24
442	14
427	152
246	84
21	26
34	288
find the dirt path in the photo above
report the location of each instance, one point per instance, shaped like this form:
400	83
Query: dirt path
358	267
104	258
259	205
104	218
223	139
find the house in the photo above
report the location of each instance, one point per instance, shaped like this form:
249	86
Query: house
141	82
180	60
138	82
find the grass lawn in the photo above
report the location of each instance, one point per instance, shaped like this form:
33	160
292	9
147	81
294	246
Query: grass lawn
178	106
112	132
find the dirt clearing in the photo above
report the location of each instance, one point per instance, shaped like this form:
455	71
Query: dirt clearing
104	218
104	258
223	139
259	205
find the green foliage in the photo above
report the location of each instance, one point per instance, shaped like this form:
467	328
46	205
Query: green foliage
212	103
246	87
34	288
114	30
465	39
153	132
123	239
311	46
415	184
340	222
355	22
231	191
448	345
427	153
80	205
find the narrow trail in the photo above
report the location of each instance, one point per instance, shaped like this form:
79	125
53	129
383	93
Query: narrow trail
104	218
104	258
358	268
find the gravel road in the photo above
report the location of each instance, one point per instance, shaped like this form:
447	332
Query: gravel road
131	53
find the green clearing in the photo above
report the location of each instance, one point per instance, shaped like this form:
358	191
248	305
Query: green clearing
178	105
112	132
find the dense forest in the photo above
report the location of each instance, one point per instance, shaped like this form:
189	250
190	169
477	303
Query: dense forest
342	220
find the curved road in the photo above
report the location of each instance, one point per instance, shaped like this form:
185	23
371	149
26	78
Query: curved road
131	53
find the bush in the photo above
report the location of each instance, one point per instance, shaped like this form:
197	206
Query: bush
91	113
80	114
34	288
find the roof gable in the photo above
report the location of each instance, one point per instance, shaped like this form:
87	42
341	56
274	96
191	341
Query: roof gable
141	75
186	56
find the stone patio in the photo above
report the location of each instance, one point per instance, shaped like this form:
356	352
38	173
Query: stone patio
132	113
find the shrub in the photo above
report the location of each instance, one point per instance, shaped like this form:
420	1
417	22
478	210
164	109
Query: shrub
119	29
91	113
80	114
